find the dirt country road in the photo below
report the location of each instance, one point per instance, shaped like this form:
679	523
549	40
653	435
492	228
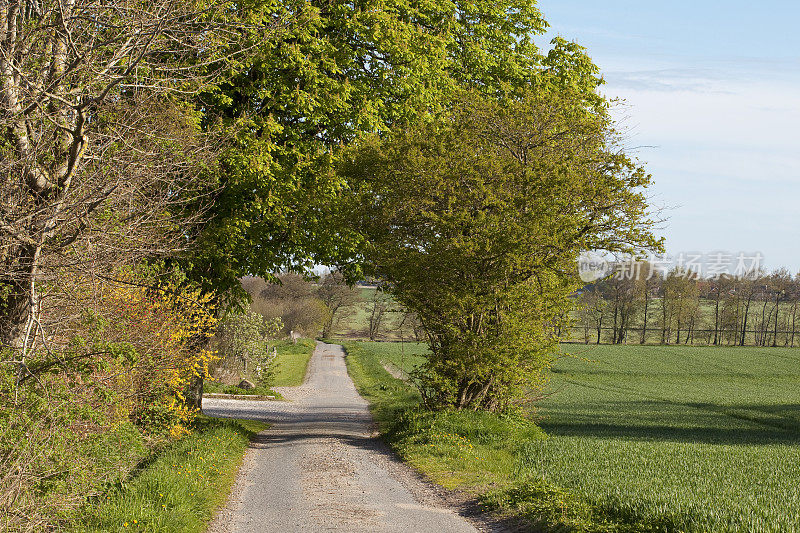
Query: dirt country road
318	468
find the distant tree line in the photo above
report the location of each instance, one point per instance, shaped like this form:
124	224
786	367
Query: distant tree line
678	307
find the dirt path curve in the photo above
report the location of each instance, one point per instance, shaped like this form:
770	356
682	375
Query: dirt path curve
318	468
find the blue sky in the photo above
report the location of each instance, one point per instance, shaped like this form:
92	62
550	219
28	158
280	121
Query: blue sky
712	106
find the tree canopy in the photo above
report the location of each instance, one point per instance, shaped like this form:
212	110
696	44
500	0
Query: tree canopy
334	72
476	220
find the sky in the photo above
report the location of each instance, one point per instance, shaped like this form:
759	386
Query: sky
711	105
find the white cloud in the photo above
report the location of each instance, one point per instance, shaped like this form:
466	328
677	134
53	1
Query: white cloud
724	151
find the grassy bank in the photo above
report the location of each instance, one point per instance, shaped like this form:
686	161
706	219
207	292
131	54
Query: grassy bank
638	439
179	488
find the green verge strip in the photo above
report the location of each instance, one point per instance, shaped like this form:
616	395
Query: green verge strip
292	362
476	452
180	488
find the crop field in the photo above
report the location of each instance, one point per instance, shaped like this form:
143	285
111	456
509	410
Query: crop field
669	438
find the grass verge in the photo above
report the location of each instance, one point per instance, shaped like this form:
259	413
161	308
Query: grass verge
212	387
179	488
292	362
472	451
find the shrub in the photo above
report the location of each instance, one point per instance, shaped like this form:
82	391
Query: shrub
243	343
107	383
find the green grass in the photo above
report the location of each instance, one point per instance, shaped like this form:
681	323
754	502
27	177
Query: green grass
292	362
473	451
179	488
639	439
697	438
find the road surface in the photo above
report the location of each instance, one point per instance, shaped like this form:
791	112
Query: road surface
319	467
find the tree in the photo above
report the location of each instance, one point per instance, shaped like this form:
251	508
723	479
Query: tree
339	298
680	305
781	284
649	282
592	310
377	308
476	221
340	70
98	159
290	298
717	287
621	290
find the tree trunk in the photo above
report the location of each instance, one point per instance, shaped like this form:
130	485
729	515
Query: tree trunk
194	394
744	321
777	310
716	318
644	320
20	306
599	329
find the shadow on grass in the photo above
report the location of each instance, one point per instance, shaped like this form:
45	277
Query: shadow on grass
747	424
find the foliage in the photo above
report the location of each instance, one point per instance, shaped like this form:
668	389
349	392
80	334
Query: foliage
88	405
290	298
475	222
167	330
335	71
180	487
58	443
99	156
242	340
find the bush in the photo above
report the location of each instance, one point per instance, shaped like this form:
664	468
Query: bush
242	340
95	396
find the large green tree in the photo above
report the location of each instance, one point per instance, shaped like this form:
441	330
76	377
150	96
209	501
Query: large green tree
476	219
335	71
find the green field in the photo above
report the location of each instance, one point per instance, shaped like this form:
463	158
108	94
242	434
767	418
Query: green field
662	438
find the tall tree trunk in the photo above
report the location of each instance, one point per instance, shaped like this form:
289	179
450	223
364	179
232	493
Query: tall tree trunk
746	313
644	320
599	329
716	317
20	305
777	310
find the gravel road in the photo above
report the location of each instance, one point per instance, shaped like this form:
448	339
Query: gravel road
320	468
